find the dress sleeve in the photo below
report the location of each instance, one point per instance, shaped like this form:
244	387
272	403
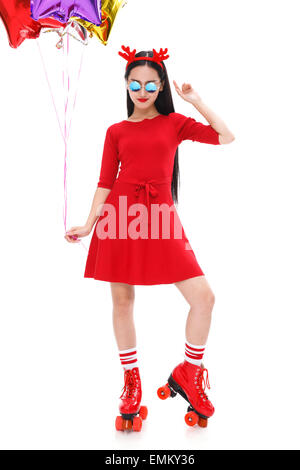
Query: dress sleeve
188	128
110	162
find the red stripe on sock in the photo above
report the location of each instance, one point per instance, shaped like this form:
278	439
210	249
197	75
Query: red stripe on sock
195	356
128	354
194	349
129	362
199	356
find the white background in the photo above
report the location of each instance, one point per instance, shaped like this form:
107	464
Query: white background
60	371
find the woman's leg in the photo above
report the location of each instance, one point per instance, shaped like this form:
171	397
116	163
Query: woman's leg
124	329
123	302
190	376
201	299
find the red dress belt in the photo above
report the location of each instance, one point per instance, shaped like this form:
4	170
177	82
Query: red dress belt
148	186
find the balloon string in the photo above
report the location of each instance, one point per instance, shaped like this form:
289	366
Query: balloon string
49	85
66	88
76	92
64	134
67	133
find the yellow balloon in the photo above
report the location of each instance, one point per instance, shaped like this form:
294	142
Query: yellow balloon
109	10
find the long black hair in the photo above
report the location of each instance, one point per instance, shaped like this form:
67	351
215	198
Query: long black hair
164	105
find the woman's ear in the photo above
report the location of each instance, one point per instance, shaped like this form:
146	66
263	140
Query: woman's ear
162	86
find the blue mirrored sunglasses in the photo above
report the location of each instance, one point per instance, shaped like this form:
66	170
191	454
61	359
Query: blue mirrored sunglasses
150	87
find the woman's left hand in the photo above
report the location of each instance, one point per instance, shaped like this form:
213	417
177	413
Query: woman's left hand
187	93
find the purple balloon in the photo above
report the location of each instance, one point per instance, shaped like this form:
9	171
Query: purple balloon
62	10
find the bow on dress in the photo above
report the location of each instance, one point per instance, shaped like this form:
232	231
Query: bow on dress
150	191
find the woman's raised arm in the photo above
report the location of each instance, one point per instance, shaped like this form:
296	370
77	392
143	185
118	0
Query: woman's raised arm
188	94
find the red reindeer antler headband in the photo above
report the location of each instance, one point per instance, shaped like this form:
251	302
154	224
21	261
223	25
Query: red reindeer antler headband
129	55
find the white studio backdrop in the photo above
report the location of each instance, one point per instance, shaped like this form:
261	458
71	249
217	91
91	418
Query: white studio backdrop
60	372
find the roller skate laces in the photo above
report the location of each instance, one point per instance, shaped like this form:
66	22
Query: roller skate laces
202	382
129	391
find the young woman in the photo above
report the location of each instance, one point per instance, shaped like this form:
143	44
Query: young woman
138	249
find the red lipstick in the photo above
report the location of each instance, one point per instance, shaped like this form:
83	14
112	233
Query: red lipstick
143	100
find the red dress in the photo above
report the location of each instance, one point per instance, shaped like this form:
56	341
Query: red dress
146	151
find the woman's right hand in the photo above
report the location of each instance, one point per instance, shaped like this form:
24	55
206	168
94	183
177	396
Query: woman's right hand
72	235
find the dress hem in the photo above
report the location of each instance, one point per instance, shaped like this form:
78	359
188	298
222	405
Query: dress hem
144	283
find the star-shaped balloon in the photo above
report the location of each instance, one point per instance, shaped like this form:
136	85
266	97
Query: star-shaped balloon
88	10
15	15
109	10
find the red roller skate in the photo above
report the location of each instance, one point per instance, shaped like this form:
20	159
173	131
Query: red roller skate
188	380
132	414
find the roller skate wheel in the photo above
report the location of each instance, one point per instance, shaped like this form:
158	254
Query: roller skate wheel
137	423
164	392
119	423
127	424
191	418
202	422
143	413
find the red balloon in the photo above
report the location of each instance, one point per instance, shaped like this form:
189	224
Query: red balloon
19	25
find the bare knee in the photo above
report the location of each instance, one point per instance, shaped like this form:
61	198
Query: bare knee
123	303
205	299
